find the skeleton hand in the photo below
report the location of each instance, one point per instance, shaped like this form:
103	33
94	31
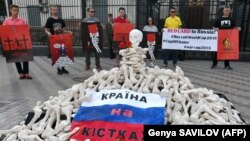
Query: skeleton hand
95	40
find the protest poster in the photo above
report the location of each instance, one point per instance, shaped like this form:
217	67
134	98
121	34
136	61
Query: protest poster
61	50
16	41
92	36
118	110
150	41
228	45
190	39
107	131
121	35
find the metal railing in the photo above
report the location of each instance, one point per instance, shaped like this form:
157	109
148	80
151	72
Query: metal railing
193	13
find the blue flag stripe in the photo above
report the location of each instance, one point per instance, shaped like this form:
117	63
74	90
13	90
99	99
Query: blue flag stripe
122	113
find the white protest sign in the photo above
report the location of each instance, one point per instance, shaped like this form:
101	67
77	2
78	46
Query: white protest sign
190	39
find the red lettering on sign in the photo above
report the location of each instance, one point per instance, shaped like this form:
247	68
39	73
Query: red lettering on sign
126	113
107	131
116	111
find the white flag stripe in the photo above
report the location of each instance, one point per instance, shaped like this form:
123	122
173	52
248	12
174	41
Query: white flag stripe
124	96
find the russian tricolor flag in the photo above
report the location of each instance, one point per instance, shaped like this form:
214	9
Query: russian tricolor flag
118	107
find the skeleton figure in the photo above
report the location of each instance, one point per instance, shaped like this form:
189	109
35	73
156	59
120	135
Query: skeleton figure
135	37
151	47
95	40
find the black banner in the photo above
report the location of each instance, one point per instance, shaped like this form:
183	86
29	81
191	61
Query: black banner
197	132
92	36
150	39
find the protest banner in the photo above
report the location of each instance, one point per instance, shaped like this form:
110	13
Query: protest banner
150	41
107	131
16	43
92	36
228	45
120	109
190	39
61	50
121	35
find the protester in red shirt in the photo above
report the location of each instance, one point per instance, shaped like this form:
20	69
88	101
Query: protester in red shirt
120	19
14	19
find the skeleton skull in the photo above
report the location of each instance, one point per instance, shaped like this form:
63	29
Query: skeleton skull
135	37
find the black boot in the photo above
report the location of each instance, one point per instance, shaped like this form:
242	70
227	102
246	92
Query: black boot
64	70
59	71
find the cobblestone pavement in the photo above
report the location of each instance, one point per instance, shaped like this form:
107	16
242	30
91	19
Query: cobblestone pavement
18	97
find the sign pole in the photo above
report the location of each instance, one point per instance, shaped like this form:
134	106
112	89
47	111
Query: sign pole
7	8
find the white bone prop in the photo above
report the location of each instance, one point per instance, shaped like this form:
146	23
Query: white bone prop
12	137
65	136
38	112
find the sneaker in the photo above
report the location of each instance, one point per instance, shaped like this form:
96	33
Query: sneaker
64	70
27	76
228	67
87	68
59	72
21	76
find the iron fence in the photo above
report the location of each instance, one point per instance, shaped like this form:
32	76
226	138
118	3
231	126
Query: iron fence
193	13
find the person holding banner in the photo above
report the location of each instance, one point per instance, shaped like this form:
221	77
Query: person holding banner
14	19
225	22
55	25
172	22
120	19
150	27
92	19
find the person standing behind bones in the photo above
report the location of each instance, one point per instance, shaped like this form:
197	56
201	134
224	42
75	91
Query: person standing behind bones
110	34
55	25
14	19
90	19
150	27
225	22
120	19
172	22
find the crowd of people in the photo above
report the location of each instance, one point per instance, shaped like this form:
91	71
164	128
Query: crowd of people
56	25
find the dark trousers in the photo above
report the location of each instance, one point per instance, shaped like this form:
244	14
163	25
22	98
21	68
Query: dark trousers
110	45
24	69
97	57
215	61
174	56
